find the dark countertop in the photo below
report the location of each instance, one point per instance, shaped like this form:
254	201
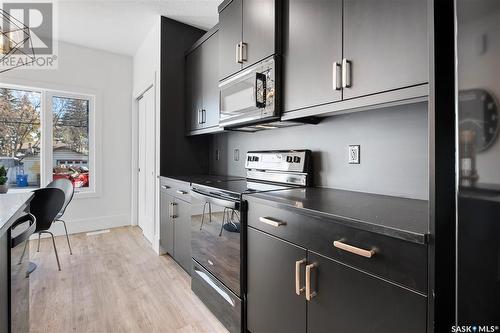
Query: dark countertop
406	219
10	206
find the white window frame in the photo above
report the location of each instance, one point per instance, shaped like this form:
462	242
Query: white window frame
46	156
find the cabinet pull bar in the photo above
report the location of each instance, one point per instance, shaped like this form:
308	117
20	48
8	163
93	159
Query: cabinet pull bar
243	52
174	215
271	222
337	76
309	294
298	288
354	249
237	58
181	192
165	187
346	73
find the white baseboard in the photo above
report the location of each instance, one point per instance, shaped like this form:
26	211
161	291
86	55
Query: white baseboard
92	224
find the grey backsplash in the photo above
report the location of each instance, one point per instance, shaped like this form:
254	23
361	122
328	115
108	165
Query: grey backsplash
394	150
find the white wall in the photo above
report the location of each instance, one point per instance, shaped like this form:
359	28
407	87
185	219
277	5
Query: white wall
146	74
109	77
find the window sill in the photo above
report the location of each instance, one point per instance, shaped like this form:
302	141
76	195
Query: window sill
86	194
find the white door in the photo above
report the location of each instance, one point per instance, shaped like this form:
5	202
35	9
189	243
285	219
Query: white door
146	183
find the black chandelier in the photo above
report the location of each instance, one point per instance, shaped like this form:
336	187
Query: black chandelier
15	39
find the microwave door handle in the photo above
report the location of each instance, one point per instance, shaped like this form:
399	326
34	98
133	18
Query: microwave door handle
260	86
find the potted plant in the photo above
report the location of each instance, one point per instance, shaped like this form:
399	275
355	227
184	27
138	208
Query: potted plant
4	187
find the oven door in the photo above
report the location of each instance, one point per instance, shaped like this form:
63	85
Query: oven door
215	237
249	96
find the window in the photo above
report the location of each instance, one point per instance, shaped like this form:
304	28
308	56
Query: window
20	136
46	135
70	140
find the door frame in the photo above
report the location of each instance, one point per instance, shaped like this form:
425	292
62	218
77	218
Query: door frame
153	84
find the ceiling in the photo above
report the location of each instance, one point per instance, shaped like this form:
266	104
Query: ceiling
120	26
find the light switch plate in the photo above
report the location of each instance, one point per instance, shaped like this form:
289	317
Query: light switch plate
236	155
354	154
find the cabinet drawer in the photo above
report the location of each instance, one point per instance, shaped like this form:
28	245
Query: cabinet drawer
397	260
176	188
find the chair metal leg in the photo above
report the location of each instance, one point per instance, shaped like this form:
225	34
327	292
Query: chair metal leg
38	248
24	252
67	237
203	215
209	212
55	249
224	212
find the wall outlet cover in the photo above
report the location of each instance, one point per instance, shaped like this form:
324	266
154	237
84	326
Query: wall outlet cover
354	154
236	154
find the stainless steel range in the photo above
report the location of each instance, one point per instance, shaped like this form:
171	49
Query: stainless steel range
218	228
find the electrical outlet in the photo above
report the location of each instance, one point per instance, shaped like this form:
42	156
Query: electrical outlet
217	154
354	154
236	155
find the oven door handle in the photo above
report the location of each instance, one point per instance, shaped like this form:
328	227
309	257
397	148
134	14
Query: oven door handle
214	200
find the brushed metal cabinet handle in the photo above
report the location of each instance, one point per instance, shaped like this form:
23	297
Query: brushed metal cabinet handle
271	222
346	73
203	116
181	192
298	287
174	215
309	294
337	76
244	52
354	249
237	57
165	187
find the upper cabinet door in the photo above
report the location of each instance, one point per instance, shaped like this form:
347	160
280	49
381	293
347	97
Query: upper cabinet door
312	45
350	301
259	21
230	25
385	44
210	76
194	93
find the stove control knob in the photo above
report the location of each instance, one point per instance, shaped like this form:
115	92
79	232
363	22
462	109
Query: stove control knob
289	159
296	159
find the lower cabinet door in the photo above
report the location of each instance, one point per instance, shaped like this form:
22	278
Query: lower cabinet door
350	301
182	234
272	304
166	223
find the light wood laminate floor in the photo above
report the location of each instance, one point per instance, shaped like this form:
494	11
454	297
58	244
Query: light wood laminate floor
113	282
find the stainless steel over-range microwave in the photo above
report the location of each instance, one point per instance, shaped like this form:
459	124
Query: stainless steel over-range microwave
249	96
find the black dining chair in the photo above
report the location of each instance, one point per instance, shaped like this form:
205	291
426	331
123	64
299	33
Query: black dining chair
46	204
67	187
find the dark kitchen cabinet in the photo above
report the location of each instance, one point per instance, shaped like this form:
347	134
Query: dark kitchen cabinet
4	282
230	25
249	32
175	221
166	223
386	44
203	84
314	275
259	30
182	234
350	301
194	89
343	55
312	44
210	80
272	303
